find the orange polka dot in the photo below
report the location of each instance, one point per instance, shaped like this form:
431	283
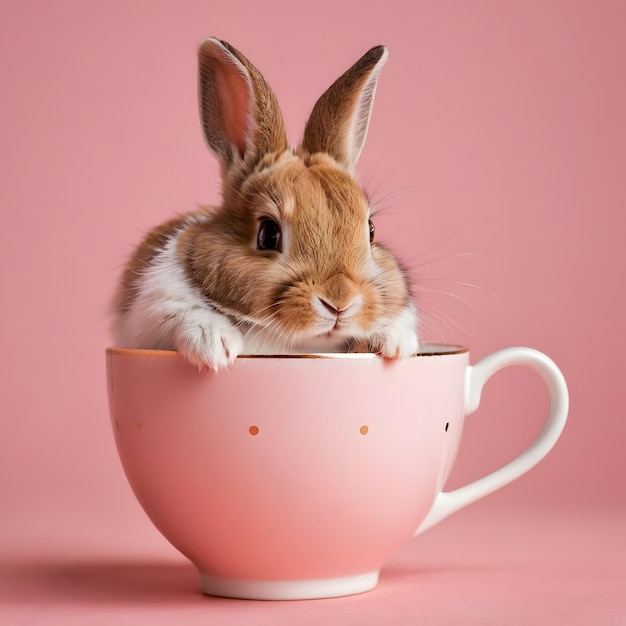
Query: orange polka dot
364	430
139	424
253	430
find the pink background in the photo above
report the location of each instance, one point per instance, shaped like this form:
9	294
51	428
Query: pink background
497	153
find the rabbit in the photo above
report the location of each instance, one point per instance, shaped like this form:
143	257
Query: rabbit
288	263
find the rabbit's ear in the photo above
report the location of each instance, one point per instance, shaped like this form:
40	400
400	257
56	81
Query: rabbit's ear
241	120
340	118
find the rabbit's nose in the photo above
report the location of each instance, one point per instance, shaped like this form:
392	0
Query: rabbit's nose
330	307
336	309
338	293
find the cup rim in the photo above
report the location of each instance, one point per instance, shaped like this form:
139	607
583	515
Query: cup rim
427	349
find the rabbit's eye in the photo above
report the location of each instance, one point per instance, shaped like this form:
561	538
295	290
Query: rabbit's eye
372	230
268	237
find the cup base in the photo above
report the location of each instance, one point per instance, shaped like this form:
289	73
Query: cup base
288	589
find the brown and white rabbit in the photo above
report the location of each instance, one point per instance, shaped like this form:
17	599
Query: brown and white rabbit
288	262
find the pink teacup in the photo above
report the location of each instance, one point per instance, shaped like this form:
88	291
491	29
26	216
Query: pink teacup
293	477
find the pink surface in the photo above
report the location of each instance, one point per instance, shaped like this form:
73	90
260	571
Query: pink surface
491	565
496	152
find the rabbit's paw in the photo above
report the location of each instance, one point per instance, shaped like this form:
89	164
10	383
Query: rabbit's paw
398	343
399	339
207	338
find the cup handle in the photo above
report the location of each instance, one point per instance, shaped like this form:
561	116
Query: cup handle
448	502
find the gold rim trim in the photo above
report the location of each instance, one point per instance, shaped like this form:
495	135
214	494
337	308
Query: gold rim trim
428	350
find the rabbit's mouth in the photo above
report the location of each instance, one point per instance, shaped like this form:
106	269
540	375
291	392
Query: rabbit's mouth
333	328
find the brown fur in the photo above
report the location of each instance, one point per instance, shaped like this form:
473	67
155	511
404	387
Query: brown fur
142	257
328	249
327	259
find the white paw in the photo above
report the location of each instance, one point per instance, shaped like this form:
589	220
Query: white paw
399	339
207	338
398	344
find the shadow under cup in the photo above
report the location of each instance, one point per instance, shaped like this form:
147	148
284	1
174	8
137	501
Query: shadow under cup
289	477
